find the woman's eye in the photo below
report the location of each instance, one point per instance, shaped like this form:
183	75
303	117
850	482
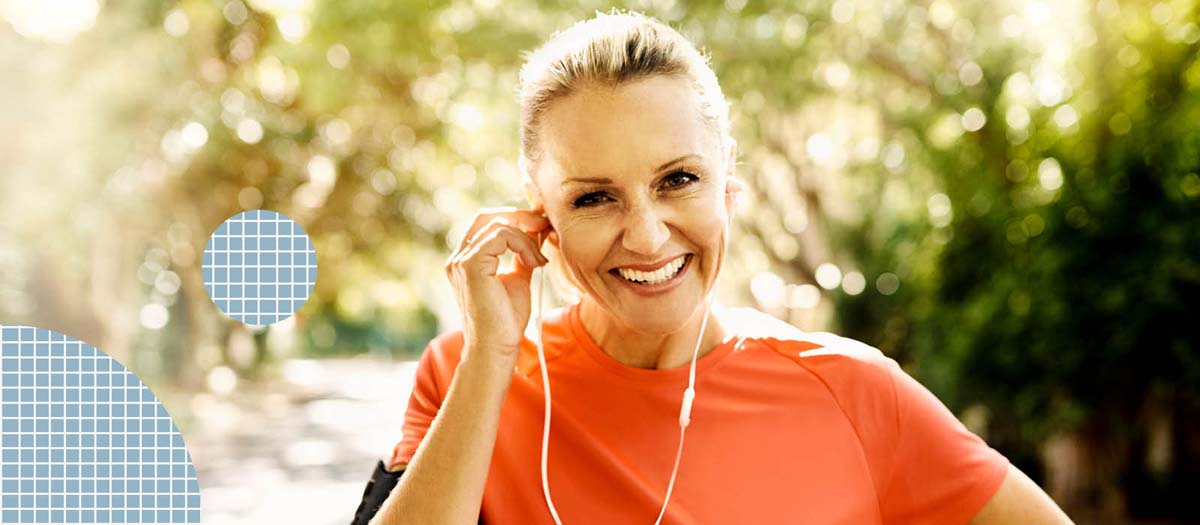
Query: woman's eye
680	179
673	181
589	199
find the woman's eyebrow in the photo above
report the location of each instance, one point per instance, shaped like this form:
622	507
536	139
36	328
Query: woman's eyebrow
605	180
678	160
581	180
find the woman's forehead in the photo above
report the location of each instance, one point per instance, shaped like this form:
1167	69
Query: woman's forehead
622	131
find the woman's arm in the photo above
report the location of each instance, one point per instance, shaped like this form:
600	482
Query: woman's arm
444	479
443	482
1020	501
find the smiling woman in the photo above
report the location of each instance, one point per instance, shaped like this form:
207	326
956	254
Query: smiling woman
660	201
629	171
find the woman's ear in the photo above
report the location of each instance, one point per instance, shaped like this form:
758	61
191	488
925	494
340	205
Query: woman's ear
733	185
531	194
731	158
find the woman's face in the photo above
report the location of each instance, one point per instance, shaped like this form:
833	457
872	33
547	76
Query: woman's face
632	177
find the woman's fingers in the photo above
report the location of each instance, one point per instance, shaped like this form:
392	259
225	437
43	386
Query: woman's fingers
525	220
497	239
496	305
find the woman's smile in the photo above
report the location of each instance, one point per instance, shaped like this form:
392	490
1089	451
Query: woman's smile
638	197
666	278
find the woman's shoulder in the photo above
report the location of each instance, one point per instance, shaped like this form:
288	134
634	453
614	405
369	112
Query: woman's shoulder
449	342
857	376
441	355
824	350
445	350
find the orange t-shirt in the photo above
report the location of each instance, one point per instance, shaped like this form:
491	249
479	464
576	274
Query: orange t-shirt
787	427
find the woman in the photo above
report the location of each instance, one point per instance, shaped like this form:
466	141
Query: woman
629	166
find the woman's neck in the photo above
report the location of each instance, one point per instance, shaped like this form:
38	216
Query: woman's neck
650	351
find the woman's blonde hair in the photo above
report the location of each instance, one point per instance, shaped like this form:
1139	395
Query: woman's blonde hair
612	48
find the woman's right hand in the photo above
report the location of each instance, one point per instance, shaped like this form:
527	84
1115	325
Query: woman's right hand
496	305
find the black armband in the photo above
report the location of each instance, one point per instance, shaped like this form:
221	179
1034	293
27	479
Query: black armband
381	485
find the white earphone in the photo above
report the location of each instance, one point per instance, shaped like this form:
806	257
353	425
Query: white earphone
685	411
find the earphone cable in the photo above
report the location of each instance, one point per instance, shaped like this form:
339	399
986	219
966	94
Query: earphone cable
685	410
546	387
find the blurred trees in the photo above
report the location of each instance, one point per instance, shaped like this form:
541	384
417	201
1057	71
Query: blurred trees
1003	196
1029	173
1050	279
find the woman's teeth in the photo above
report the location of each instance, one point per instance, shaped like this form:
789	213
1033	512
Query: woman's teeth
660	275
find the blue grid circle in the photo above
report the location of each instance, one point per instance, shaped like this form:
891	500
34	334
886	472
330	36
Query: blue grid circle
83	440
259	267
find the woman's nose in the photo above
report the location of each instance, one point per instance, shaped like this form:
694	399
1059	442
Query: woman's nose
645	230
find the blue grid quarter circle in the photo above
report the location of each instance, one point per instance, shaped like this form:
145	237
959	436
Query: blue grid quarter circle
259	267
83	440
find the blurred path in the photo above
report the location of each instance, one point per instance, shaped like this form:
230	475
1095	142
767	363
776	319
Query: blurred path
301	449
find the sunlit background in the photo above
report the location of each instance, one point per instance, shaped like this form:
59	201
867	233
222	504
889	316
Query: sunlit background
1002	195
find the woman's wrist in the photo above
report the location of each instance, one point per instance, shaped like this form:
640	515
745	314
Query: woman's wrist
492	362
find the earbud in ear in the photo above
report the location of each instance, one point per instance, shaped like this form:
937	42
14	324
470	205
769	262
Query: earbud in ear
734	185
532	193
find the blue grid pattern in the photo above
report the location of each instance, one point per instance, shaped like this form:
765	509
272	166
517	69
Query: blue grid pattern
84	441
259	267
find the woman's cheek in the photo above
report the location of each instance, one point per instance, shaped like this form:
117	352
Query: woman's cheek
710	217
579	237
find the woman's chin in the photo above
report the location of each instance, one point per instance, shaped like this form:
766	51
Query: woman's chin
659	318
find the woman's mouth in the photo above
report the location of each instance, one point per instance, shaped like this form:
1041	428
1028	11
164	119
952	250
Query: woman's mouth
656	281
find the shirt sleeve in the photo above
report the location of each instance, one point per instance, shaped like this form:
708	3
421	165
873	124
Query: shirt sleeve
434	370
940	472
926	466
